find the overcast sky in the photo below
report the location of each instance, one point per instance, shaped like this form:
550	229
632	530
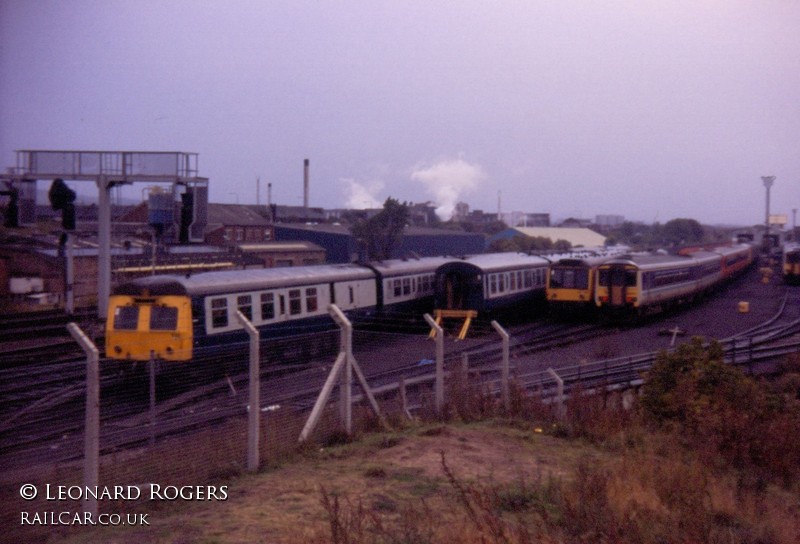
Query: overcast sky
649	109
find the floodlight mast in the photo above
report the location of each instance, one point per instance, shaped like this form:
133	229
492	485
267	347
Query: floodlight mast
768	181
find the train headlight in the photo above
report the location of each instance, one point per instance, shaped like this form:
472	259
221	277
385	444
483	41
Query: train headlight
169	350
117	350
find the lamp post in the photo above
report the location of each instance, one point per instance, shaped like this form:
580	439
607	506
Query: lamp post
768	181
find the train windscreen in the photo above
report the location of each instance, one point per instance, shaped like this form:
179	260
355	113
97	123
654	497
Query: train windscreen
163	318
569	278
126	318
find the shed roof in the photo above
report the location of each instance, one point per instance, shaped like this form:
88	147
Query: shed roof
575	236
234	214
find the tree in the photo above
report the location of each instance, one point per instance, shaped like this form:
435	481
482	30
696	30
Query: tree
380	234
680	232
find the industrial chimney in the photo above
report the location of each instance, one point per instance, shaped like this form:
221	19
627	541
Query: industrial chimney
305	185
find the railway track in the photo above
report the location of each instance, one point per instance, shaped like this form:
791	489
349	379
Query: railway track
46	324
31	432
773	339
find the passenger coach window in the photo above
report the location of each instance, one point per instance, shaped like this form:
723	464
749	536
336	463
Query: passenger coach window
398	290
163	318
406	286
267	306
245	304
126	317
219	312
295	302
311	300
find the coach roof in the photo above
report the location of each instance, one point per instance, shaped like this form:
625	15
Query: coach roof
235	281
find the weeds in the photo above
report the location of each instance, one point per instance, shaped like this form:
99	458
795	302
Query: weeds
697	461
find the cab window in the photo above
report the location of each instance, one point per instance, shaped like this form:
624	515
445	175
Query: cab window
126	317
163	318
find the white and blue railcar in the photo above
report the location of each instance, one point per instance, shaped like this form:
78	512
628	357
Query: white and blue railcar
173	316
491	283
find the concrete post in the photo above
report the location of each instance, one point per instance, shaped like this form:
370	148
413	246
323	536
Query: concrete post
439	383
254	415
104	246
91	461
505	366
560	393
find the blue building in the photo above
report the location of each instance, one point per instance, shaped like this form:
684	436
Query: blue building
341	247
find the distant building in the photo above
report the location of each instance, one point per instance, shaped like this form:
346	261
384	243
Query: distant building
233	224
609	221
525	219
575	236
296	214
341	247
280	254
461	211
574	222
422	214
228	224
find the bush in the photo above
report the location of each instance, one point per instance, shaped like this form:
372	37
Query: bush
722	412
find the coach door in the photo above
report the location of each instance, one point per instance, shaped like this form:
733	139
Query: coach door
454	292
618	283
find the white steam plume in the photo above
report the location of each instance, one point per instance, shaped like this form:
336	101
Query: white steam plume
447	181
362	196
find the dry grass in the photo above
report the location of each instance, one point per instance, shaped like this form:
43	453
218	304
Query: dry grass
480	473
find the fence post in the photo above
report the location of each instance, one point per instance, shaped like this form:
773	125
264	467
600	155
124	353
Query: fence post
347	360
91	467
560	393
254	415
439	383
504	368
404	398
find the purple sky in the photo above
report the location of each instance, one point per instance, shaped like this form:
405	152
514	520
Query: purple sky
648	109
